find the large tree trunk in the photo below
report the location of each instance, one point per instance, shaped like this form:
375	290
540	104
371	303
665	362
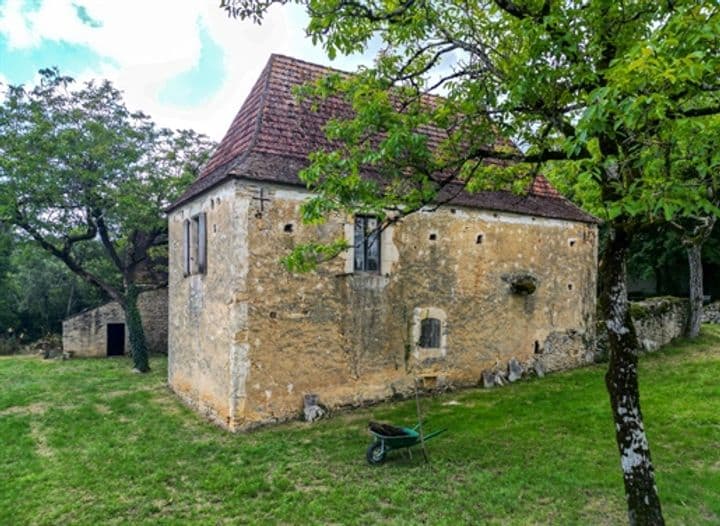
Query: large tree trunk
694	253
138	345
622	384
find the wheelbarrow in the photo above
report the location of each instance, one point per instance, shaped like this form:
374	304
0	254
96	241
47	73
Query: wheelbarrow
388	437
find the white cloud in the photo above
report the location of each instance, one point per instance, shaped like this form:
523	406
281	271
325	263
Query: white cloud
145	44
14	25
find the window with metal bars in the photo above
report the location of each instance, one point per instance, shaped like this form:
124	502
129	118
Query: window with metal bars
367	244
429	333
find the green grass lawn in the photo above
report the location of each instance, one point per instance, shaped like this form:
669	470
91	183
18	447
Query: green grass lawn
89	442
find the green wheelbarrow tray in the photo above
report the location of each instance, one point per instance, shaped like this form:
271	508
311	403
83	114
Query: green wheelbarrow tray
382	444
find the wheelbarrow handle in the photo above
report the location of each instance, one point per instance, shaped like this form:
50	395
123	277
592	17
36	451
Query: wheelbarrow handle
434	434
418	424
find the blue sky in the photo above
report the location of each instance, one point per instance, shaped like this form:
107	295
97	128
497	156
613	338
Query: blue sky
181	61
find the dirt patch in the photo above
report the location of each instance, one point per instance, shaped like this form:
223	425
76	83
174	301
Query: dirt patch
599	510
311	488
37	408
124	392
102	409
38	436
167	404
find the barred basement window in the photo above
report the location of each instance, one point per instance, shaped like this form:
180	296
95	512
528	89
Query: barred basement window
429	333
367	244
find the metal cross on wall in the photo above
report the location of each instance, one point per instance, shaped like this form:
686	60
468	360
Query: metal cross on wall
262	199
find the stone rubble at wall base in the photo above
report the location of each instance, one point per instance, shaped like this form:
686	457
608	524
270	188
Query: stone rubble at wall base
657	321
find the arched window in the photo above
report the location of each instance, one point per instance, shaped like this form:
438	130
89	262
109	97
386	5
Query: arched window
429	333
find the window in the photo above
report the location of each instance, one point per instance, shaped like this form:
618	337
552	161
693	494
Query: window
195	245
429	333
367	244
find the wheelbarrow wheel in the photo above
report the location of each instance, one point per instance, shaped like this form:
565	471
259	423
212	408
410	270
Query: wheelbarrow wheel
376	453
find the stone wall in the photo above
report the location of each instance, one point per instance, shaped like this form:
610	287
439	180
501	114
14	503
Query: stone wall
205	364
85	334
249	339
711	312
657	322
153	306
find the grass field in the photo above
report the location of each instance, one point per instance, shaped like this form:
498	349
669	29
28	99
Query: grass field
89	442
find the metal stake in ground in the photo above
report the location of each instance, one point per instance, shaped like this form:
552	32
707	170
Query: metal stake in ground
420	420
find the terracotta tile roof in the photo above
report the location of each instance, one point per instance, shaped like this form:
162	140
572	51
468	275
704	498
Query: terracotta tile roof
272	135
542	187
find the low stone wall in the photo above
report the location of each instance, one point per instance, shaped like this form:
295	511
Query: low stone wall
657	322
711	313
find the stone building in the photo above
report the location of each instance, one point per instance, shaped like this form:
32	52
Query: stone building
442	296
101	331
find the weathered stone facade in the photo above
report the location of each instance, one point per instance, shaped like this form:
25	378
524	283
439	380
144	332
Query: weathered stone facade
86	334
462	289
248	339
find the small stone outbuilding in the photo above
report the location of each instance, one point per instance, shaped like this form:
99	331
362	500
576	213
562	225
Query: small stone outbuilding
101	331
444	295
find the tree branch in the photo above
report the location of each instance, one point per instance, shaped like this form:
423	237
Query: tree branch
353	8
107	243
71	239
68	260
696	112
516	11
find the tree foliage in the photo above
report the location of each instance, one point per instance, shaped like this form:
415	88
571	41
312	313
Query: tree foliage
618	94
39	291
77	168
8	314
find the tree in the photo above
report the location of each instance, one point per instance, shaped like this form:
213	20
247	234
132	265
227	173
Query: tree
8	315
597	86
39	291
78	168
687	157
43	291
700	164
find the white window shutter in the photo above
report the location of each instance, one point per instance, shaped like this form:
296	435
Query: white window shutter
202	243
186	247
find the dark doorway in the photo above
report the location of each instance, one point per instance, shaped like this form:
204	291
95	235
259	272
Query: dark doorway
115	339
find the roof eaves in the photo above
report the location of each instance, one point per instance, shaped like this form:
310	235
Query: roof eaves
227	168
